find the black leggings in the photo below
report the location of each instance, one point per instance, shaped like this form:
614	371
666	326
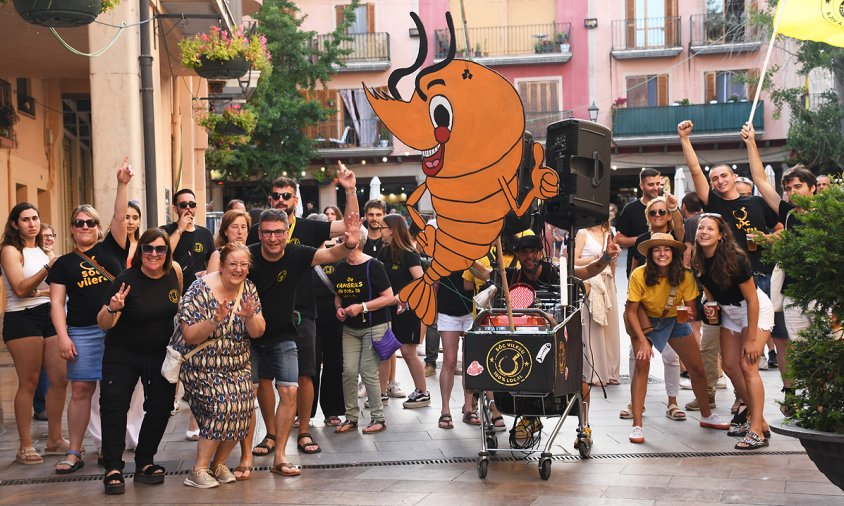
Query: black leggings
121	370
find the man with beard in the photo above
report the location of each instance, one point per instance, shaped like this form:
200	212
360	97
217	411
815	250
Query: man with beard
306	233
631	222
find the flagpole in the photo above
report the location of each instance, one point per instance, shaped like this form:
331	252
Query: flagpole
777	18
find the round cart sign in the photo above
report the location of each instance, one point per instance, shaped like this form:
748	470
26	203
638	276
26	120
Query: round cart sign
509	362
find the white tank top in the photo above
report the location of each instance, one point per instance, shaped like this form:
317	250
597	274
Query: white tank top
591	248
33	261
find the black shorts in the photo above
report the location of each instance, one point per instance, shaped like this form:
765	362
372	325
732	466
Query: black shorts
406	326
306	346
35	321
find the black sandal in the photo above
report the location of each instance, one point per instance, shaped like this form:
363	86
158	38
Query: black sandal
114	483
152	474
72	467
265	444
751	441
303	447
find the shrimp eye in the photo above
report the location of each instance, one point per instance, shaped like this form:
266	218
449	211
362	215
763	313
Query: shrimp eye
441	112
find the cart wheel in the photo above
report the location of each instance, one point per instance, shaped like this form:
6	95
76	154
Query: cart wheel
545	468
491	441
584	446
483	467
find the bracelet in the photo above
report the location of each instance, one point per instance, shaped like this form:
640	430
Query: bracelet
112	312
338	308
365	309
47	267
353	192
347	246
674	210
606	258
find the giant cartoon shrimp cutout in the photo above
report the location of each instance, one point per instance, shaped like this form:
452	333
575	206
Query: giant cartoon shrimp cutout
468	122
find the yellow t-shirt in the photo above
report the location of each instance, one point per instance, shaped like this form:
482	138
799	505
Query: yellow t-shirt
655	298
468	276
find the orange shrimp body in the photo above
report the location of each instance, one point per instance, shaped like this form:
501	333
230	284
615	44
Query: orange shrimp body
468	122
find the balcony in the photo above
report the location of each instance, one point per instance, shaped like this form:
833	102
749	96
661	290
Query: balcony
646	38
537	122
510	45
367	51
658	125
365	137
719	33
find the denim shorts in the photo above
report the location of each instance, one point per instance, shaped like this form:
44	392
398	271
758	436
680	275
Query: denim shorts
666	329
90	344
278	361
448	323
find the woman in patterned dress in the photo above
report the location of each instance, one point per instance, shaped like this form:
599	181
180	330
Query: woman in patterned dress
218	378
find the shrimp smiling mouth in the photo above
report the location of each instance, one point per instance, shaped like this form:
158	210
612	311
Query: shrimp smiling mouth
432	160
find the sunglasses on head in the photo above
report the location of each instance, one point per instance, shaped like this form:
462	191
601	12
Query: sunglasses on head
710	215
278	195
655	212
149	249
185	205
81	223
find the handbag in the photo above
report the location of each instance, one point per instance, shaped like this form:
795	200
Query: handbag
387	344
174	359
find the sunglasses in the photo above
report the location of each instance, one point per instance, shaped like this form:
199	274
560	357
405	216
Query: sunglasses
655	212
185	205
710	215
278	233
81	223
278	196
51	236
149	249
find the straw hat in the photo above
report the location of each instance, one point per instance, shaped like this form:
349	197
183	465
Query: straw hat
661	239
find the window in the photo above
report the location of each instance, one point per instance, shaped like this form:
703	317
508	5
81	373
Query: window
647	91
26	104
542	100
652	23
364	18
726	20
730	85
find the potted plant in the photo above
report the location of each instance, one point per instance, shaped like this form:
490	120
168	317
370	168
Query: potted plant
384	141
235	121
733	98
562	40
617	104
810	255
8	118
221	55
62	13
478	51
324	176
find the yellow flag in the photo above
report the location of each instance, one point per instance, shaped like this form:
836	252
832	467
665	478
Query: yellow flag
818	20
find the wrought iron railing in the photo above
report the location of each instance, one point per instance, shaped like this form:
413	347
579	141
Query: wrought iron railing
368	133
506	40
721	28
363	47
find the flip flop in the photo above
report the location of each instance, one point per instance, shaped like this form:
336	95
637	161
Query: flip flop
445	422
304	447
346	426
265	444
285	469
243	470
375	423
333	421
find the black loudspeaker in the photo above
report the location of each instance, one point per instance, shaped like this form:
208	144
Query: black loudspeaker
579	151
512	223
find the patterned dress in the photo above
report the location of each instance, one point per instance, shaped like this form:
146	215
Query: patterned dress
218	378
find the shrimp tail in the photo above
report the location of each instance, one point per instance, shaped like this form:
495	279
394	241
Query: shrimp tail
422	298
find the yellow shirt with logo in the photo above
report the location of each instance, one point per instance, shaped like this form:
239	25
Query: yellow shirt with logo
655	298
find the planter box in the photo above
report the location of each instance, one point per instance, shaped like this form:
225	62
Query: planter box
62	13
826	449
222	70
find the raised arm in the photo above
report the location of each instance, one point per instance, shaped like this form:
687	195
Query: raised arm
349	183
757	172
599	264
351	239
676	218
684	130
117	229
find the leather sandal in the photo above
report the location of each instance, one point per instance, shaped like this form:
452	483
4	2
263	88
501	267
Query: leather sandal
307	447
72	467
674	413
347	426
265	445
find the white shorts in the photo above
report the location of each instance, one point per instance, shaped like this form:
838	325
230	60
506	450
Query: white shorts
734	318
448	323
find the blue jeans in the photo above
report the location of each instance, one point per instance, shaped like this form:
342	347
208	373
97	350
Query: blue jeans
278	361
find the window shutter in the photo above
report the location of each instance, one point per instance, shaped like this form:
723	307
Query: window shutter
338	14
710	86
370	18
662	89
672	35
631	24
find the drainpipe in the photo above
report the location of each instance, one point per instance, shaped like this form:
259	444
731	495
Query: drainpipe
148	115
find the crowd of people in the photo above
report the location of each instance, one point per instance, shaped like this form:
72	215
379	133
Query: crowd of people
103	316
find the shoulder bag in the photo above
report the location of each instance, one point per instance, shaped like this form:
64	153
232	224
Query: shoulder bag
387	344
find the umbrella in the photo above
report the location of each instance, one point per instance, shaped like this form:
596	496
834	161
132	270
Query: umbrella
299	208
680	183
375	188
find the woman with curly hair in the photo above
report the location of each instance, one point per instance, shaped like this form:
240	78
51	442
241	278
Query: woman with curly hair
747	318
660	286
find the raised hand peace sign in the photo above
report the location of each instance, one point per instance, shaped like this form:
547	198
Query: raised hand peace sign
221	312
118	300
248	308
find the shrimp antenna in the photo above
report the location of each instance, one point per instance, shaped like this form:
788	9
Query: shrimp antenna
398	74
452	50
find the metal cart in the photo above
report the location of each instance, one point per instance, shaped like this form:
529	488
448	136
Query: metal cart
534	369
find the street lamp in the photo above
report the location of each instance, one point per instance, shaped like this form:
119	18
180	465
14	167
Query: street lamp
593	112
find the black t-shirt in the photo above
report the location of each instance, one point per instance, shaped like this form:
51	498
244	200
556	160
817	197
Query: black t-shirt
84	283
690	228
548	279
399	272
252	237
373	247
353	287
146	322
323	296
632	223
192	252
745	215
308	233
452	298
277	283
732	295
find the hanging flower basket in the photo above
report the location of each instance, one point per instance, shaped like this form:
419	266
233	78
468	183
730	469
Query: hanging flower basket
236	124
223	55
64	13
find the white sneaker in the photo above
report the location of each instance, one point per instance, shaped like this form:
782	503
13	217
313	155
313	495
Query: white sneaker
714	421
686	384
722	383
394	390
637	436
763	363
361	390
201	479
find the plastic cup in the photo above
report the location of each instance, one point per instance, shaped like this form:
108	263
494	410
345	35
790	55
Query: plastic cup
682	314
711	311
751	246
